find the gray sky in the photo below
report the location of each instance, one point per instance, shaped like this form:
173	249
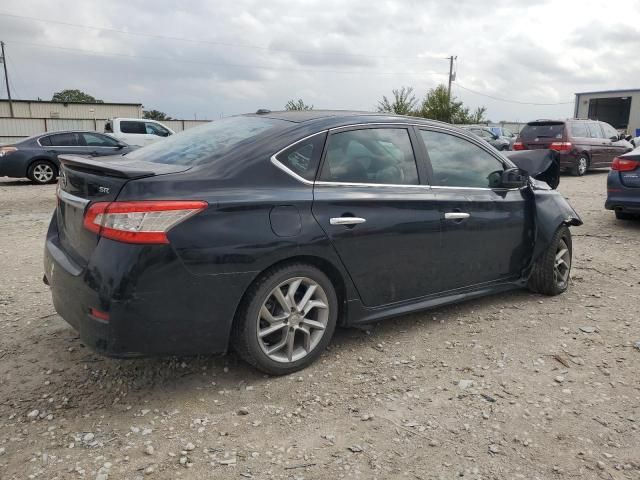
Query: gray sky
227	57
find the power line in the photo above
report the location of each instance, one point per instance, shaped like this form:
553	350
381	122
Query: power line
508	100
215	64
218	43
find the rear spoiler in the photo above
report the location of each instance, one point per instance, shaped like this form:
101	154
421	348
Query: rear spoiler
119	166
542	165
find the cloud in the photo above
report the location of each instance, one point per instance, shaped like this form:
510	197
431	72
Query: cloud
246	54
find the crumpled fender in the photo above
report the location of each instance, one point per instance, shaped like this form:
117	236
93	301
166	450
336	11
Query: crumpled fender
542	165
551	211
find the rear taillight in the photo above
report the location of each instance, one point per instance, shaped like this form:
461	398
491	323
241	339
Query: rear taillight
624	165
519	146
7	150
561	146
139	222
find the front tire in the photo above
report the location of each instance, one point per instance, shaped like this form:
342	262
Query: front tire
551	271
286	320
581	166
42	172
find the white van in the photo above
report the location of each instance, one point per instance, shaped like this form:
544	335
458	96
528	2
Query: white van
136	131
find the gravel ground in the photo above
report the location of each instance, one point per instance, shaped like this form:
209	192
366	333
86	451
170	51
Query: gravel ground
511	386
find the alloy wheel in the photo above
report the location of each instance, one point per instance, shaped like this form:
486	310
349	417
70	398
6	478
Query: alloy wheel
293	320
582	165
43	173
562	264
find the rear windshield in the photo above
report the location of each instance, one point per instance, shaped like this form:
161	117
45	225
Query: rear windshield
542	130
206	143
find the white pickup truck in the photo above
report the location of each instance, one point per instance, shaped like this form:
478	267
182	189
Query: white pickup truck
136	131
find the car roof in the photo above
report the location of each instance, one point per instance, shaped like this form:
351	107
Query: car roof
56	132
337	118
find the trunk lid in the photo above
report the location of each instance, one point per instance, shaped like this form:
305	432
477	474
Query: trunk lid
84	181
541	134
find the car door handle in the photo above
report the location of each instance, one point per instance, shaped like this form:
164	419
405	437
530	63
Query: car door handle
346	220
456	216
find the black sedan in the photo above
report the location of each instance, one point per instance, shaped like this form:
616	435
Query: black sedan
266	231
37	157
623	186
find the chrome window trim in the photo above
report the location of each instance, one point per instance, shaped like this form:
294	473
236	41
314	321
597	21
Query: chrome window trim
72	200
287	170
464	134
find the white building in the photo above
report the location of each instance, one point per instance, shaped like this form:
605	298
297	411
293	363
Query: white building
620	108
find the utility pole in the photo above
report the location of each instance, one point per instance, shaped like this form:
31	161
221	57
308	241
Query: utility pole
451	77
6	79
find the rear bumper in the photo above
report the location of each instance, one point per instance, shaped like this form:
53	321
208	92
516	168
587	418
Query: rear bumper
621	197
155	305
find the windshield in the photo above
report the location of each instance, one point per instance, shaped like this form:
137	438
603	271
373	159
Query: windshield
542	130
206	143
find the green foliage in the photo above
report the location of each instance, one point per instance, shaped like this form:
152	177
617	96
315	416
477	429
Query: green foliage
74	95
403	103
155	115
297	105
435	106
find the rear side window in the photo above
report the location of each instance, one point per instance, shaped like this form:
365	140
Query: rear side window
132	127
97	140
303	157
376	155
64	140
594	130
542	130
579	130
456	162
45	141
208	142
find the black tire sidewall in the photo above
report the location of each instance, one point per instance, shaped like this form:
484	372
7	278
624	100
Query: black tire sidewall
249	332
562	234
42	162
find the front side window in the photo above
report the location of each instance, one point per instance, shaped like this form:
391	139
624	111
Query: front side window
303	157
456	162
127	126
97	140
64	140
155	129
376	155
609	131
594	130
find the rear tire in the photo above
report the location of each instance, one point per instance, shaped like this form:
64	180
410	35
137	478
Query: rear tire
551	271
286	319
620	215
581	166
42	172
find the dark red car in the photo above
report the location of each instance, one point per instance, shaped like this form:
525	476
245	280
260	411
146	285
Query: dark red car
581	144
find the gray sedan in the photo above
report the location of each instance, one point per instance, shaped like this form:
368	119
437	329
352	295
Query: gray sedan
37	157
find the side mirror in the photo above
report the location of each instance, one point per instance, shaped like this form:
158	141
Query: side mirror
614	138
120	146
513	178
628	138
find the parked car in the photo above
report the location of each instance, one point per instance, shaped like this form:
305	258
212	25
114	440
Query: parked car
582	144
266	231
137	131
504	133
37	157
623	186
493	139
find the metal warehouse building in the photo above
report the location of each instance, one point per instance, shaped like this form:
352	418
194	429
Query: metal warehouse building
31	117
620	108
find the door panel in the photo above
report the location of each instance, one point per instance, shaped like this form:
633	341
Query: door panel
492	243
392	255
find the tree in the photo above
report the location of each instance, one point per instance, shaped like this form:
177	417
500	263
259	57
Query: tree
404	102
74	95
297	105
437	106
155	115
